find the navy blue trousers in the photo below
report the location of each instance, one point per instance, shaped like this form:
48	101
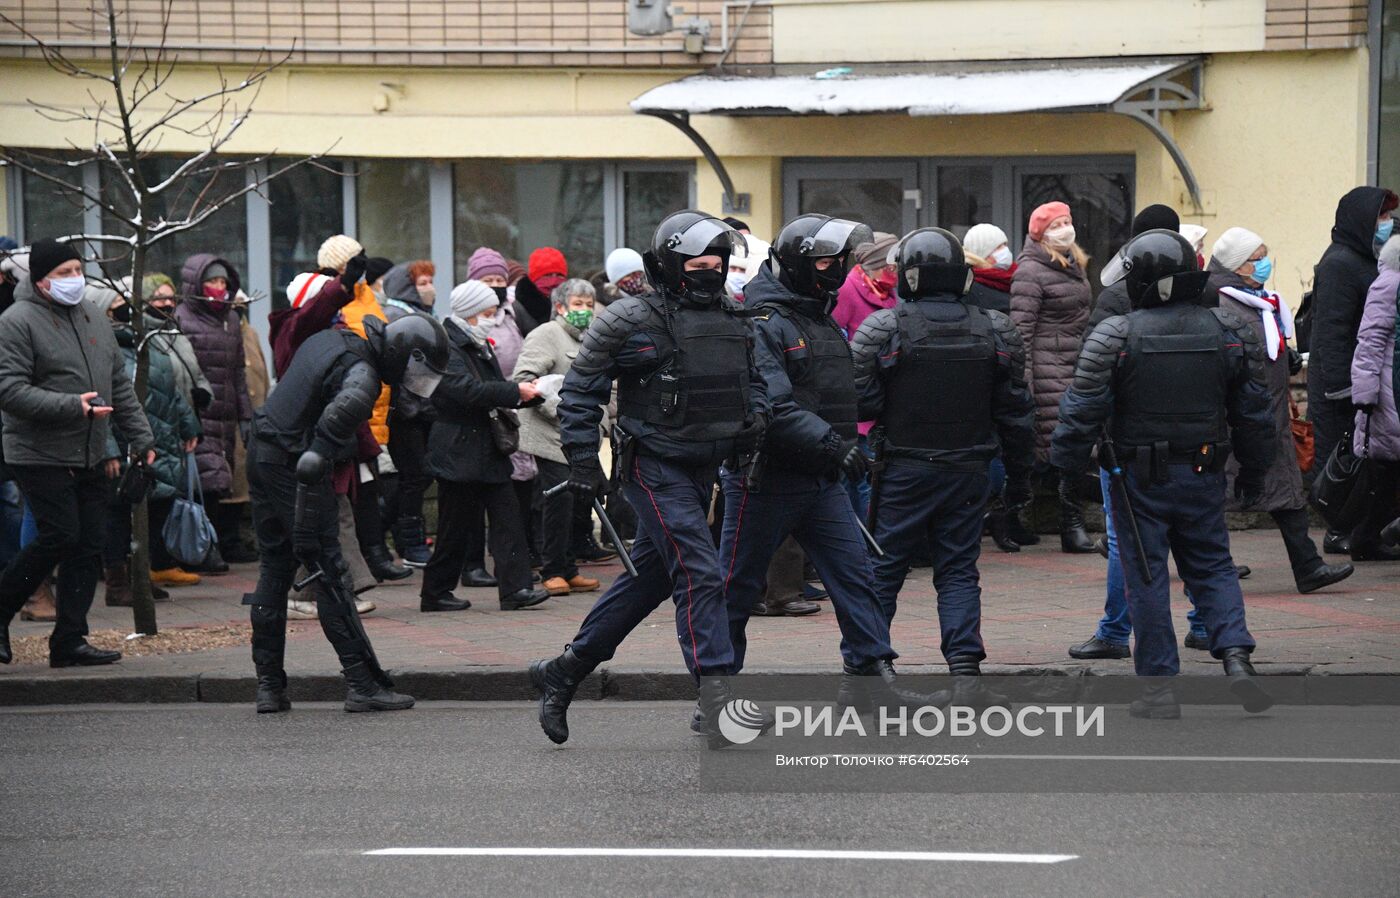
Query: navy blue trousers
1185	515
675	556
948	506
818	513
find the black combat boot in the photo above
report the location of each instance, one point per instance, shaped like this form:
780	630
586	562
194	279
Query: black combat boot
367	692
875	684
1017	530
1158	702
1074	539
272	690
969	689
997	524
556	681
715	695
1243	681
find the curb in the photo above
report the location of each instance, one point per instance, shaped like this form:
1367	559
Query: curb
1305	684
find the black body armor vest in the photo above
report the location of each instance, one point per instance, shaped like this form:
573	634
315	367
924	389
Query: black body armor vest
940	397
827	388
313	378
702	392
1172	381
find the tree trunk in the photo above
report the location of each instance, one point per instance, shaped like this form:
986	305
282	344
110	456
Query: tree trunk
143	606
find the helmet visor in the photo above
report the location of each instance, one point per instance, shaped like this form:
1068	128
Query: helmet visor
420	378
1116	269
835	237
706	237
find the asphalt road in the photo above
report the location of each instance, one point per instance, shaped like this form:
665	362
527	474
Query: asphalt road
212	800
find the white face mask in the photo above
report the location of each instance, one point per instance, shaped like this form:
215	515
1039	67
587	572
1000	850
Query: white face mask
67	291
1002	258
1061	237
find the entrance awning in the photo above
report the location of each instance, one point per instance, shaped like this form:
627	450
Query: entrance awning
1141	88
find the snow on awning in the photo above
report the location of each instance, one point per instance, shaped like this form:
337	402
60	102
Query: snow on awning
934	89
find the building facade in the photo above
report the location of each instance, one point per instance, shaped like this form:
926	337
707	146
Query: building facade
453	124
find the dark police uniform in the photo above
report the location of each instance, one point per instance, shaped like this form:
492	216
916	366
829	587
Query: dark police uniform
806	364
1179	387
688	396
944	381
308	423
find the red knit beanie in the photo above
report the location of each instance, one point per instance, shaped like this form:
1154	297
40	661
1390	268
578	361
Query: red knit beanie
1043	215
547	260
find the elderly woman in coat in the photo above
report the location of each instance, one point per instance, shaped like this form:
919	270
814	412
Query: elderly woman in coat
1239	268
1050	303
1373	391
206	316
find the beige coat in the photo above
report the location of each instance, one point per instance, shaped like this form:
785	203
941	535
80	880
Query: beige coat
259	382
549	349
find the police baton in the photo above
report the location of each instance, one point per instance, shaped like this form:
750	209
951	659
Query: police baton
608	529
869	538
1108	456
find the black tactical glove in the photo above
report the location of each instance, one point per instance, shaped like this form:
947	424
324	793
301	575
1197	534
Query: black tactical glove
749	438
1249	487
853	462
354	270
1295	361
585	473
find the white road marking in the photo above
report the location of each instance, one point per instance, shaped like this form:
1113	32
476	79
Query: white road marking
1193	758
781	853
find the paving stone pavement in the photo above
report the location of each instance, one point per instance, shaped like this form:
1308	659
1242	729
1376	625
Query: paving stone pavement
1035	604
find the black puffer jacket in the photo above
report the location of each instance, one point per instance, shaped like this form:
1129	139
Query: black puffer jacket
1341	280
460	447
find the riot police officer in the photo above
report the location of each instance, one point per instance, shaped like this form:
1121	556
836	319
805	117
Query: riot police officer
791	485
688	396
1175	387
307	425
944	382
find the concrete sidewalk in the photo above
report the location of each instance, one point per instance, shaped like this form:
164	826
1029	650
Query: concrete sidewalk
1035	604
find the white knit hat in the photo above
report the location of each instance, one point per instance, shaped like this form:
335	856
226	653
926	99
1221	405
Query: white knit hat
1234	247
304	286
755	254
1195	235
472	298
981	239
622	262
336	251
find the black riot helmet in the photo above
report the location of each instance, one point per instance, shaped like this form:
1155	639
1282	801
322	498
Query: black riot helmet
810	237
688	235
1158	267
412	352
930	262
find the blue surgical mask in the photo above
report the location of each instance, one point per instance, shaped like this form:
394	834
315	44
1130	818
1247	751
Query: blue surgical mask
1262	269
1384	230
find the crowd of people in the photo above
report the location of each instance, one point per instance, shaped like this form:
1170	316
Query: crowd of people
743	408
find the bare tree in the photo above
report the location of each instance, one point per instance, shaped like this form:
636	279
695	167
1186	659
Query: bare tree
131	107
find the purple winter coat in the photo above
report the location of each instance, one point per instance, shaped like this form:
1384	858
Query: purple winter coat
218	345
1373	365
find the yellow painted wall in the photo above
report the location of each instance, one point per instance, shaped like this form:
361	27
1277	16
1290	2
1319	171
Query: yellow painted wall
1283	138
821	31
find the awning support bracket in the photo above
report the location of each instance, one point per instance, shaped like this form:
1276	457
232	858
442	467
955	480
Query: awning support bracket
734	203
1166	94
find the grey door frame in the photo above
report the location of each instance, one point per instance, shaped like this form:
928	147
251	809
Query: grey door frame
906	169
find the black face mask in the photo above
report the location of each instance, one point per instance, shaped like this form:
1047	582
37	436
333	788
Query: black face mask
500	294
704	284
163	312
122	314
830	279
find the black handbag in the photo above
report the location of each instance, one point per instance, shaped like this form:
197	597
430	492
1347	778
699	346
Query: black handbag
1345	488
505	429
134	485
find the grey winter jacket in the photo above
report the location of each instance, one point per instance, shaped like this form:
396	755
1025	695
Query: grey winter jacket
1050	304
49	356
1373	365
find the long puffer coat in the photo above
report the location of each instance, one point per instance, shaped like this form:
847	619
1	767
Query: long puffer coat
1050	304
213	329
1373	365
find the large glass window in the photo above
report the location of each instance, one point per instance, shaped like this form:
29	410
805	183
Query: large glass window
964	197
648	196
49	210
875	193
224	234
517	207
1388	132
307	206
391	202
